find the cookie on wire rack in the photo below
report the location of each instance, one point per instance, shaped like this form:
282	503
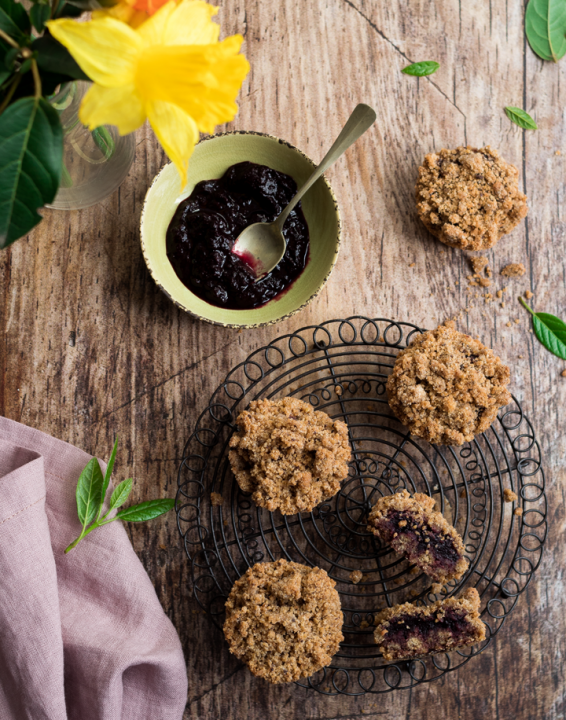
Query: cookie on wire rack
409	631
284	620
447	387
289	456
417	531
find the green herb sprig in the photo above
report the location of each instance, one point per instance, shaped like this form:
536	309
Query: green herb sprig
421	69
550	330
545	26
520	118
92	487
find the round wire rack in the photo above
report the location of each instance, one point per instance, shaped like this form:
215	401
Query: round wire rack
341	367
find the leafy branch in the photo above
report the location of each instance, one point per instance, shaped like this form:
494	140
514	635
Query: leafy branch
92	488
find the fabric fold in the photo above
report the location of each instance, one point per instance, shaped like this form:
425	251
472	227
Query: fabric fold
82	635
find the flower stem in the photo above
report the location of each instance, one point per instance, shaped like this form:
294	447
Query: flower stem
8	39
10	93
36	79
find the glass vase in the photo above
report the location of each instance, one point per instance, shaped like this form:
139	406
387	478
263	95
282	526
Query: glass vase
94	162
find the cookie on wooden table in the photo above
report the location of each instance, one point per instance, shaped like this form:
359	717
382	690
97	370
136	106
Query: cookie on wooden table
408	631
284	620
447	387
289	456
417	531
468	197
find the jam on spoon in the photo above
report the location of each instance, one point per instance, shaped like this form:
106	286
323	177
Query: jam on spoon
206	224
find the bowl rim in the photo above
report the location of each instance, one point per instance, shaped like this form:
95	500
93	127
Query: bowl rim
263	323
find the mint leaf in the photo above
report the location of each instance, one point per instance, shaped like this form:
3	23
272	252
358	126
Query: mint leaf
421	69
520	118
109	469
120	494
146	510
550	330
545	27
89	488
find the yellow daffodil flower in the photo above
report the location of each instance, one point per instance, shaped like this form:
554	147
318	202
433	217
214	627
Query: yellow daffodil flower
133	12
171	70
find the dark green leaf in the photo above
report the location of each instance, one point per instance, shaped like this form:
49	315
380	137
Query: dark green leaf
520	118
39	15
66	10
545	26
86	5
9	58
31	153
421	69
550	330
109	469
54	58
25	66
4	75
104	141
88	492
121	493
14	19
51	81
146	510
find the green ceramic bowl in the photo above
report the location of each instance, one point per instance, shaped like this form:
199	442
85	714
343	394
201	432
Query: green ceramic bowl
211	158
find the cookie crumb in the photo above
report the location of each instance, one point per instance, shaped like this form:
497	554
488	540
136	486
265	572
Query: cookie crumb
518	511
563	373
516	321
509	496
558	152
412	264
528	294
484	282
356	576
478	264
436	588
513	270
216	498
499	294
508	324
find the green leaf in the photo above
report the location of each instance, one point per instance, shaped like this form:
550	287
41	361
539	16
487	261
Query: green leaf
88	493
550	330
104	141
39	15
10	57
421	69
545	26
121	493
66	10
31	154
146	510
14	19
109	469
54	58
520	118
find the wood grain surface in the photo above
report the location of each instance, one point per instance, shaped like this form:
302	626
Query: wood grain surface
91	348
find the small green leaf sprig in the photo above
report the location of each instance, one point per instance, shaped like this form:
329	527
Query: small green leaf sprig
421	69
520	118
550	330
92	487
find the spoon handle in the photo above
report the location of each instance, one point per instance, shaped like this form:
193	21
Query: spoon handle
359	121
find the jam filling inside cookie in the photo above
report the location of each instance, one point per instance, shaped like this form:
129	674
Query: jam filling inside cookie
427	629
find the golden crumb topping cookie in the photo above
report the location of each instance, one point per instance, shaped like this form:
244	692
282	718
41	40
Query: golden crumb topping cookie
447	387
468	197
289	456
284	620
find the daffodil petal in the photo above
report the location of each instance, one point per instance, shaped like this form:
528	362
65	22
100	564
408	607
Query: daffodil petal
203	80
176	131
105	49
187	23
112	106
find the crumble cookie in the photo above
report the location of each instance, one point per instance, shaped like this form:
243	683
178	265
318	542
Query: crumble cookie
284	620
468	197
513	270
447	387
407	631
289	456
421	534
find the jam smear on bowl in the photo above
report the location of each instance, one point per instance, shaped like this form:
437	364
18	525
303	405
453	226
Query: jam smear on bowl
207	223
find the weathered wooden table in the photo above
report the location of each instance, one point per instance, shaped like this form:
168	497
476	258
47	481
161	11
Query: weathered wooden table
91	348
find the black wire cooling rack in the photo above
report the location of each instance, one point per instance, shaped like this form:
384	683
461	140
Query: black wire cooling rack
341	367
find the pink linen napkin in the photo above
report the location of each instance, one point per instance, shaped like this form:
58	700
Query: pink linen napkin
82	636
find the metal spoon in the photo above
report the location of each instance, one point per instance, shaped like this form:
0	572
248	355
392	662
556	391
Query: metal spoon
263	245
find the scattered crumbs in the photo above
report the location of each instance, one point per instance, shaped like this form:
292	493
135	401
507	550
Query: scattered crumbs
508	324
414	570
484	282
516	321
499	294
431	294
364	624
338	390
414	593
457	282
216	498
412	264
528	294
442	252
558	152
163	547
356	576
488	297
463	493
503	304
520	357
488	271
509	496
240	331
513	270
518	511
436	588
563	373
478	263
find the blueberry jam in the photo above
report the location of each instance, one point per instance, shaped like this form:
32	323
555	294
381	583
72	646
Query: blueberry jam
403	627
205	226
425	539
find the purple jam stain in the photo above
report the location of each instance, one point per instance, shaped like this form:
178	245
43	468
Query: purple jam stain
403	627
206	225
441	545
